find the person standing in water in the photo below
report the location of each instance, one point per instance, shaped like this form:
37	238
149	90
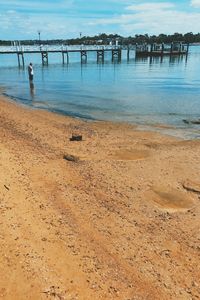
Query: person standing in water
30	72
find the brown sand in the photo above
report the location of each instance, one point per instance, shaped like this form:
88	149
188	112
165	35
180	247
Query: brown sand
121	223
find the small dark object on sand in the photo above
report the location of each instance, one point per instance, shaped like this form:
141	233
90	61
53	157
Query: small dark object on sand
76	138
186	121
6	187
195	122
70	157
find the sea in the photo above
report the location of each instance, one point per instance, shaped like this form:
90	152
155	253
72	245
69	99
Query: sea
160	94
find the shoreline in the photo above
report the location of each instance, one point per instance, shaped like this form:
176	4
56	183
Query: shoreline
122	221
185	133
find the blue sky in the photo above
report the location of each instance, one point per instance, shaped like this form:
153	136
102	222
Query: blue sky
21	19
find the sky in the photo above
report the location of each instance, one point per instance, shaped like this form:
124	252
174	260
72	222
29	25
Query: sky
63	19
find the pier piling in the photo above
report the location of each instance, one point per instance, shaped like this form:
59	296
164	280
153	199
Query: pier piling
45	59
83	56
20	58
128	53
100	55
116	54
63	57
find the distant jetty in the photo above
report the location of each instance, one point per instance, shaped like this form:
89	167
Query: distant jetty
177	48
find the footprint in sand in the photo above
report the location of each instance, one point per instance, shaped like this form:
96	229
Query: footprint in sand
125	154
170	199
191	186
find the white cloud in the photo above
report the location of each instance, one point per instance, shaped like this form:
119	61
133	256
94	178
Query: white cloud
195	3
153	18
166	22
150	6
26	26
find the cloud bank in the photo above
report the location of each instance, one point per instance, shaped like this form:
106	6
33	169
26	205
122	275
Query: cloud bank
195	3
21	19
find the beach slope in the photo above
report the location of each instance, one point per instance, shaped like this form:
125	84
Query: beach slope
118	220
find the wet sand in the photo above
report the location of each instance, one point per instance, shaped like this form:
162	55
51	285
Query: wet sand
122	222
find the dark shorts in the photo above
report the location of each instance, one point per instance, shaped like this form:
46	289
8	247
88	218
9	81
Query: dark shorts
30	77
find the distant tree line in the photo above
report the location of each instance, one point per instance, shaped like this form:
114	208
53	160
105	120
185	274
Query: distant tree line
104	39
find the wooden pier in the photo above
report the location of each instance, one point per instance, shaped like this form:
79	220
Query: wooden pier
143	50
116	53
176	48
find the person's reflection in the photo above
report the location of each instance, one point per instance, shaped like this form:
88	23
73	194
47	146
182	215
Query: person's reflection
32	90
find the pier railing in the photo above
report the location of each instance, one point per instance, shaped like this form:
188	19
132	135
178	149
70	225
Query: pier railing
56	48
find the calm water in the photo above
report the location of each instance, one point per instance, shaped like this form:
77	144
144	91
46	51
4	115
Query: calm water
148	91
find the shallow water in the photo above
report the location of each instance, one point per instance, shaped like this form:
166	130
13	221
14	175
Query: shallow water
149	92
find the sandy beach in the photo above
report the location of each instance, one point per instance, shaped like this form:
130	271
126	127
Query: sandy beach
119	222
